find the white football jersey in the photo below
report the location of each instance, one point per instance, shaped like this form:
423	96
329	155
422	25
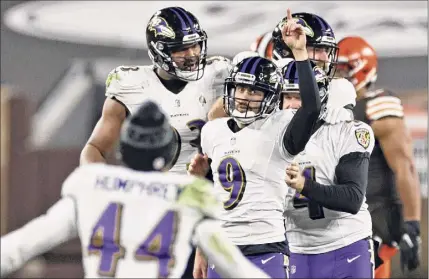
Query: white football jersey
137	218
187	110
131	225
320	158
248	172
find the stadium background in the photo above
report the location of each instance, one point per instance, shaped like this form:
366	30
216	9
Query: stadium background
55	58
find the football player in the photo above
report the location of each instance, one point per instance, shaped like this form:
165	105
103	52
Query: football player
181	79
134	221
249	150
393	187
327	222
321	42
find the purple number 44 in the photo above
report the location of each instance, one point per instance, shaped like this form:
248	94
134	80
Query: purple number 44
158	246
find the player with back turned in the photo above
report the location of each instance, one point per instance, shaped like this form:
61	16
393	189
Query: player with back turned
134	221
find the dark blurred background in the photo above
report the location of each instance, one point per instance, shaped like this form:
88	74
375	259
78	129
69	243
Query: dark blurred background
56	55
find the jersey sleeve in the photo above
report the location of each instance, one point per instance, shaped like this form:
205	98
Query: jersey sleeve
282	119
72	184
229	261
357	137
122	81
383	104
38	236
199	195
205	139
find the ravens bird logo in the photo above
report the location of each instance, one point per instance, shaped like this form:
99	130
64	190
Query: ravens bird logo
160	27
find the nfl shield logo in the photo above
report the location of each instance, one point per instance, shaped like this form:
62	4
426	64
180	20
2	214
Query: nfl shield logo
292	269
233	141
363	137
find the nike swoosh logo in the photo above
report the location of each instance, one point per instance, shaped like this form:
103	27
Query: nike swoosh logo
267	260
352	259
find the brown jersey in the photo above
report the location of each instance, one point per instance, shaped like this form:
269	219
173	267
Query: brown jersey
381	181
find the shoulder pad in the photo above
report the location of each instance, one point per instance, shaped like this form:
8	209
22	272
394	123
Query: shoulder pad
71	184
214	59
217	70
382	103
283	115
125	78
220	64
199	194
341	93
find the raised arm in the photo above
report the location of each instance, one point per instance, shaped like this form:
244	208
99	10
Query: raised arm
299	130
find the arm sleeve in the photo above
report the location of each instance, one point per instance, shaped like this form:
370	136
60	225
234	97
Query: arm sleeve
38	236
301	126
354	147
349	192
229	261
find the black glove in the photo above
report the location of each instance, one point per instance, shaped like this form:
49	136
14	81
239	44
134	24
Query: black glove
377	245
410	246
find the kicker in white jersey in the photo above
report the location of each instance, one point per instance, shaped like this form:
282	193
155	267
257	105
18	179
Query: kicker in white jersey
248	171
187	110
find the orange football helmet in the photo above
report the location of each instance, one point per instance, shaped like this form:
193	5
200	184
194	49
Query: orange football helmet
357	62
263	45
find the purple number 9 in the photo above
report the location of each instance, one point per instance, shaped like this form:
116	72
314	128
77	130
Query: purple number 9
105	242
233	180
